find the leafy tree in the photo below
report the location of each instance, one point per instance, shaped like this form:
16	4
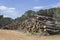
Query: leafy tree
5	21
27	14
57	14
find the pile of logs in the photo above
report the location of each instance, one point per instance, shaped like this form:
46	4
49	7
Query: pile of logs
12	26
31	25
40	24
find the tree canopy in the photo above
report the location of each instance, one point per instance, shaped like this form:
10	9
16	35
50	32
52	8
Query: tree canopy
52	12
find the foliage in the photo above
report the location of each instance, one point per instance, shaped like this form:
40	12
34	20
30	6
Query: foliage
52	12
25	16
5	21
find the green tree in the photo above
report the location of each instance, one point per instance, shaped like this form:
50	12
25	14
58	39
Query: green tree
5	21
27	14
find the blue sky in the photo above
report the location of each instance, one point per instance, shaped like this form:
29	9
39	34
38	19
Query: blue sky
16	8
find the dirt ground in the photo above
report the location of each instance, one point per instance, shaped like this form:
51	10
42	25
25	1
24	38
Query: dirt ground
15	35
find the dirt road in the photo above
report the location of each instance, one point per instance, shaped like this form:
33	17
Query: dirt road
15	35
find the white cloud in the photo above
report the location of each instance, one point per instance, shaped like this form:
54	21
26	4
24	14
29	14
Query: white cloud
38	7
47	7
7	9
3	8
56	5
9	12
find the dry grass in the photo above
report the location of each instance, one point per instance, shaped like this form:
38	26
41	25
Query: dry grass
15	35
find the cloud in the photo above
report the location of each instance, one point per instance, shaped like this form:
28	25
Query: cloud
4	8
47	7
38	7
56	5
9	12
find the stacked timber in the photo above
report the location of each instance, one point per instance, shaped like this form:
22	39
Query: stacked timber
12	26
36	24
40	24
33	25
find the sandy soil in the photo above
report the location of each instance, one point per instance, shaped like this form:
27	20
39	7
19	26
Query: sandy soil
15	35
